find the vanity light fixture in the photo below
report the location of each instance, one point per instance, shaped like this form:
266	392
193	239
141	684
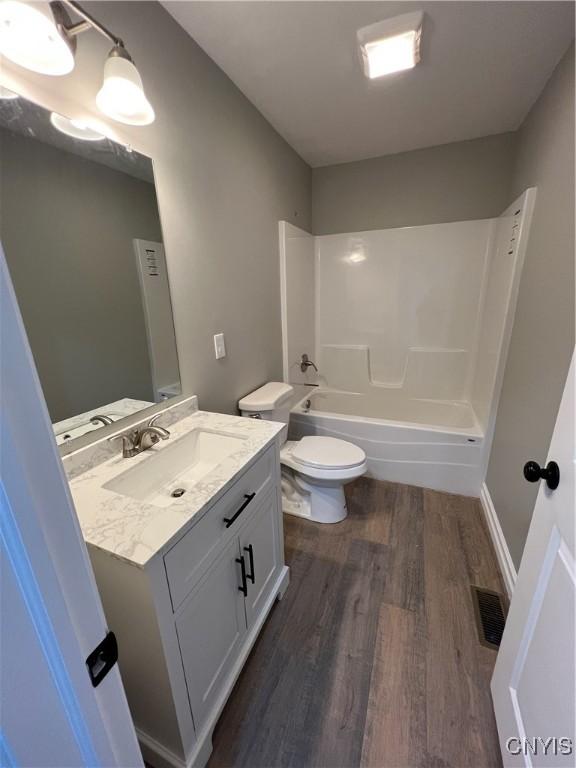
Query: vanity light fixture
122	95
75	128
391	45
41	37
36	36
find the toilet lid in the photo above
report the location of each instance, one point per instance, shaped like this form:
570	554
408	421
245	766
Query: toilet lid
327	453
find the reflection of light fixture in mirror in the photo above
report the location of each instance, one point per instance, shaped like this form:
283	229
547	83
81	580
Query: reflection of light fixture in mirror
75	128
122	95
35	36
391	45
6	94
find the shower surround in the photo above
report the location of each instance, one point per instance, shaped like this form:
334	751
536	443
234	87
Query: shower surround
409	328
398	309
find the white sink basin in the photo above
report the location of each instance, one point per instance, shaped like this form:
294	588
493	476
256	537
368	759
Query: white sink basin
175	467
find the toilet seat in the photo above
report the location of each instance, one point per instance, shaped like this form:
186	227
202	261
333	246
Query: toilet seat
327	453
324	458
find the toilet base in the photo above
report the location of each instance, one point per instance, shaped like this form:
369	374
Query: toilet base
320	501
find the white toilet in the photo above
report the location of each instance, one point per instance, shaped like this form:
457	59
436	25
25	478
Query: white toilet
314	469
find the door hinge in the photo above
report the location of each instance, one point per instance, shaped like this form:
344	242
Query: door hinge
102	659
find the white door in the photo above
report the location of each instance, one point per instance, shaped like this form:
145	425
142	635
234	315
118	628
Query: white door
533	686
51	617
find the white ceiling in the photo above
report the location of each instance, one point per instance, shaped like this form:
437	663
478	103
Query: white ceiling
483	66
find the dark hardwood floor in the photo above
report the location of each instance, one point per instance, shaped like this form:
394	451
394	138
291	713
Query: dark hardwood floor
372	657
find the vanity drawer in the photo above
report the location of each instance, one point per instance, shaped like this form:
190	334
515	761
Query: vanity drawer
192	555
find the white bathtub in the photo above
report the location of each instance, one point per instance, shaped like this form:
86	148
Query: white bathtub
430	443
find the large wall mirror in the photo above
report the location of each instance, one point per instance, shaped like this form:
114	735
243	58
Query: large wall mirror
81	232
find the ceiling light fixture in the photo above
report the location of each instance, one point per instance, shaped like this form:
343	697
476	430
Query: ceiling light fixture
391	45
42	37
75	128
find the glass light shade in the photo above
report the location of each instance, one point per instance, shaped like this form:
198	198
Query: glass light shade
122	95
75	128
30	38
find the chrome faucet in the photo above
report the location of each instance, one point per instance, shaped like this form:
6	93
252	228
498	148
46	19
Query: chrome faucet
306	363
99	418
141	439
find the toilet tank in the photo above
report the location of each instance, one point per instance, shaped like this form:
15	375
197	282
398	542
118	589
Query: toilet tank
272	402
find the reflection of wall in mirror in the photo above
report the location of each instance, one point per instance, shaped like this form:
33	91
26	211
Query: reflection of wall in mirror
67	227
153	275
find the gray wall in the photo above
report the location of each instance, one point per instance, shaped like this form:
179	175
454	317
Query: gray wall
224	180
543	334
452	182
67	226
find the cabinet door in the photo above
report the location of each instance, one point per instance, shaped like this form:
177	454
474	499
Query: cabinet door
211	626
260	548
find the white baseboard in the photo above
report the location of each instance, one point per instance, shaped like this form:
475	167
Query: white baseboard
496	534
156	754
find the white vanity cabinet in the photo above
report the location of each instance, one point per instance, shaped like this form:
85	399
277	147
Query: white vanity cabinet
186	621
211	628
212	623
259	546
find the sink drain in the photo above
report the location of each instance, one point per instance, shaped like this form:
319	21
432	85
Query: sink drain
177	492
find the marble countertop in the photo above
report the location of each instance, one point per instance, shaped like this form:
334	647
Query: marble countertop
136	531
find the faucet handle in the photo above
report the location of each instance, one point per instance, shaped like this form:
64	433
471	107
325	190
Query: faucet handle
126	437
128	442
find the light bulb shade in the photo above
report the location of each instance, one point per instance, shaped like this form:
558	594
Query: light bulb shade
74	128
122	95
30	37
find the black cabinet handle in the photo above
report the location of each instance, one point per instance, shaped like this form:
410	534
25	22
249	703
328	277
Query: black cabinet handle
533	472
250	551
243	588
247	499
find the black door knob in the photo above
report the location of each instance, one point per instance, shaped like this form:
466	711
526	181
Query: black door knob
533	472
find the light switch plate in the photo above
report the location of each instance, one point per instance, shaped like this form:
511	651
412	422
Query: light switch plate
219	346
